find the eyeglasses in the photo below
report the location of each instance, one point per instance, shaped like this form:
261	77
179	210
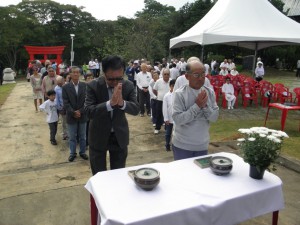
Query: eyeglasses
197	75
166	74
115	79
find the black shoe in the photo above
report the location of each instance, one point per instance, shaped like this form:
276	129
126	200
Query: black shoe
168	148
54	142
71	158
84	156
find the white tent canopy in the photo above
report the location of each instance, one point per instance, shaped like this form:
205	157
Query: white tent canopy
252	24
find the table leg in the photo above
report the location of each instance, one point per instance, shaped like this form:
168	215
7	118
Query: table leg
283	118
275	218
94	211
267	116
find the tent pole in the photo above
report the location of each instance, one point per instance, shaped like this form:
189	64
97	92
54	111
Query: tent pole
169	54
254	60
202	53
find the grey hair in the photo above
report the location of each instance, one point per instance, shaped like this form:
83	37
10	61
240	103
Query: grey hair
75	68
190	61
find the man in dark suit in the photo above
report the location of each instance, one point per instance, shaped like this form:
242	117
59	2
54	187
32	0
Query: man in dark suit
108	98
74	97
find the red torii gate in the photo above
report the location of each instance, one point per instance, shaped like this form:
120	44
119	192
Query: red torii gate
40	50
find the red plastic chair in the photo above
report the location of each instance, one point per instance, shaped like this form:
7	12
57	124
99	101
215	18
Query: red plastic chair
218	83
237	85
283	95
297	97
224	101
249	94
266	93
277	85
242	77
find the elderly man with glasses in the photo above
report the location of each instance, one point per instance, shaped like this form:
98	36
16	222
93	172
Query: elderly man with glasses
194	107
108	98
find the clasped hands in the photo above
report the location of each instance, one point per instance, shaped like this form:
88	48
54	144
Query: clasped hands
201	99
117	98
77	114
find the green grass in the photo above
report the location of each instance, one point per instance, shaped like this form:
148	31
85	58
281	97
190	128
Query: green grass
5	90
226	128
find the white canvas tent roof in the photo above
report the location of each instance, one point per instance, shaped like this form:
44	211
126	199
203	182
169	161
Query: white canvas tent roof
252	24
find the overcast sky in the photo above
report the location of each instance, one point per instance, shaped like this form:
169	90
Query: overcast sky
109	9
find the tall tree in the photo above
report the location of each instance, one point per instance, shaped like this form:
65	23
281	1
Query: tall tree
14	27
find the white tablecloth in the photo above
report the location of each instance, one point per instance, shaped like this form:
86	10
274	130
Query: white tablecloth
186	195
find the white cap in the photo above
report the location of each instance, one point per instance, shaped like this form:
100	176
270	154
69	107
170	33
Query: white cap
136	61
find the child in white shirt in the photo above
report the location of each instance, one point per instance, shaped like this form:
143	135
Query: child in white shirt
167	113
49	107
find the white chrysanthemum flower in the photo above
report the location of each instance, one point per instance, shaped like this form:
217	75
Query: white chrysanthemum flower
238	144
271	137
244	131
263	132
251	139
277	140
272	131
262	135
241	139
276	134
283	134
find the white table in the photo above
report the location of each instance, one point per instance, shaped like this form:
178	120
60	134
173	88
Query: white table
186	195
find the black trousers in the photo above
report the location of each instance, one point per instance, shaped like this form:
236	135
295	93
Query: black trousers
144	98
117	156
97	74
53	130
153	109
159	115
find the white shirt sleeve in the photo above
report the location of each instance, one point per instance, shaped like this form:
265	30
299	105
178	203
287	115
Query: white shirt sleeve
165	108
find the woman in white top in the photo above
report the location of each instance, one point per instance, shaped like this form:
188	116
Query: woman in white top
223	71
259	72
36	83
234	72
228	89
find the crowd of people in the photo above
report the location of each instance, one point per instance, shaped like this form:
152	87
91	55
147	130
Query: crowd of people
91	104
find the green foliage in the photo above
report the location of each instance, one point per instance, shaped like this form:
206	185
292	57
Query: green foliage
239	67
154	10
14	27
277	4
288	55
48	23
219	58
44	23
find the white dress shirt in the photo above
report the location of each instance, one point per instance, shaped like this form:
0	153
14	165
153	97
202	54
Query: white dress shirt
143	80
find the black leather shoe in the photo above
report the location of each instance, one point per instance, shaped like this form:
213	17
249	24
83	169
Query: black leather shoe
84	156
54	142
71	158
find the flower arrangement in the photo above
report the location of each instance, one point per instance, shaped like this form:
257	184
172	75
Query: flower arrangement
261	146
